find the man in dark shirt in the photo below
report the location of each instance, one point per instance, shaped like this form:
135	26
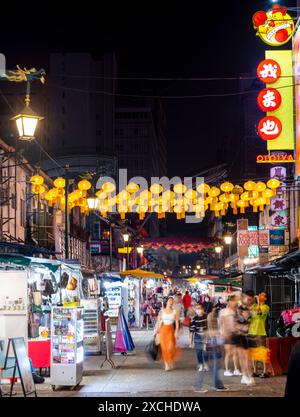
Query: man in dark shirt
198	328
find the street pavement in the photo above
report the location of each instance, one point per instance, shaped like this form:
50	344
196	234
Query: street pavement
136	376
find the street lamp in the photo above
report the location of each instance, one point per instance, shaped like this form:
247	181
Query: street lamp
228	240
140	251
27	120
218	249
92	203
126	240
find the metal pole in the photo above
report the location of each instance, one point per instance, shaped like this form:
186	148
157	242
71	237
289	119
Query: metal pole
110	247
127	254
229	260
38	220
66	214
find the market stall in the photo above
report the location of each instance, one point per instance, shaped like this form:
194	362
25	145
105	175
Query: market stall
145	288
41	284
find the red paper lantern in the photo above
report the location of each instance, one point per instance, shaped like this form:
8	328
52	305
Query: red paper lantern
269	99
268	71
269	128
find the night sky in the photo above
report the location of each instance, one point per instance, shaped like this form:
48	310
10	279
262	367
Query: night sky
180	39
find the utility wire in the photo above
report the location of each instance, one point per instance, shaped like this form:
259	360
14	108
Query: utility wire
108	93
48	155
240	78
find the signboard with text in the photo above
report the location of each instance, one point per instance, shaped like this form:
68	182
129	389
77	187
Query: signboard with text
253	238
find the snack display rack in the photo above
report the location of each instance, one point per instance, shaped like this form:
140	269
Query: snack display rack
67	350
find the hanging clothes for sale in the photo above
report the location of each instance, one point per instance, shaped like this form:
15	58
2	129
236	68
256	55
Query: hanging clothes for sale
123	341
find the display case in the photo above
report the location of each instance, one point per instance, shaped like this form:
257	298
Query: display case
92	334
67	349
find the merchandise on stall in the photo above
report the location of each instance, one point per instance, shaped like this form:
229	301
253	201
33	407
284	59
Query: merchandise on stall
133	301
67	350
123	341
92	325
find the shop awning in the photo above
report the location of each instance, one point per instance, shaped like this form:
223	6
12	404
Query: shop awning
140	273
17	260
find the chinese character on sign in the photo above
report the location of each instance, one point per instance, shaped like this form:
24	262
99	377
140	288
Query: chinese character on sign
269	99
279	220
278	204
269	128
268	71
278	172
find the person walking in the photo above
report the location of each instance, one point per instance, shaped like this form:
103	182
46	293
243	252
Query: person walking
207	304
227	322
214	355
198	328
220	304
257	331
187	301
167	327
240	339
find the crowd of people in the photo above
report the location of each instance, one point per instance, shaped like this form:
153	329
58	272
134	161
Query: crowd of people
227	335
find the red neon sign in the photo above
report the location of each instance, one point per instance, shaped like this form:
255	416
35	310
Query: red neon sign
269	99
268	71
269	128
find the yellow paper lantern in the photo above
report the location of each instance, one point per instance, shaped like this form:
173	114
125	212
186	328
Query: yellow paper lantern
250	186
203	188
226	187
59	182
224	198
273	183
237	190
245	196
37	180
255	204
268	194
84	185
108	187
179	188
242	204
214	192
260	186
156	188
101	194
132	187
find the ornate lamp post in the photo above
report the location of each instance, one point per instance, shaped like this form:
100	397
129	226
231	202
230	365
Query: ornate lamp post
228	240
126	240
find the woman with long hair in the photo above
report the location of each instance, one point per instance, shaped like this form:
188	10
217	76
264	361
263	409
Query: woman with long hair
168	327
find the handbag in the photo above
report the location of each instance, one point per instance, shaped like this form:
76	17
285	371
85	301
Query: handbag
153	350
187	321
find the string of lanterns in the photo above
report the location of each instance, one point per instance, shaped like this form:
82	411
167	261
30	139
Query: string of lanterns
180	200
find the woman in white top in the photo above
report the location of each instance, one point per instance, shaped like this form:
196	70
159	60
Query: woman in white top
167	327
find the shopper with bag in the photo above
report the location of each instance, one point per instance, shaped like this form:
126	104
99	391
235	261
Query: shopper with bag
167	327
